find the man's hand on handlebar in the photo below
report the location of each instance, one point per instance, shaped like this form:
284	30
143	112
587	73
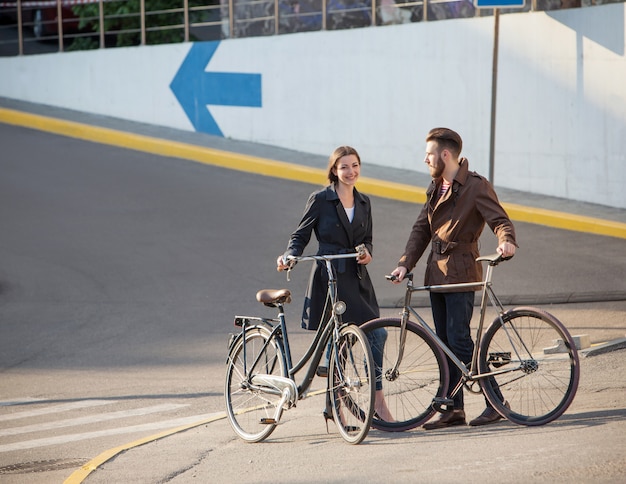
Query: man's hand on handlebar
506	250
398	274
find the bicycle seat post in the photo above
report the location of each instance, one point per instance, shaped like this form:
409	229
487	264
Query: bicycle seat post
283	331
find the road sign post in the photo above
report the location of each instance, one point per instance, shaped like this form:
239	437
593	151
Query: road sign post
496	5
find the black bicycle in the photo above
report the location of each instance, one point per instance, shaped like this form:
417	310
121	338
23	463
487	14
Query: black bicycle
260	376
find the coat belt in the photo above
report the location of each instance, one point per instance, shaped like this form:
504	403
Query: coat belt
443	247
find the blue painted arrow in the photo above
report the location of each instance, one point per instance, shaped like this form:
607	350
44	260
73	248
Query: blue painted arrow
195	88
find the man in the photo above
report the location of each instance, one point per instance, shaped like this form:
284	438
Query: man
459	204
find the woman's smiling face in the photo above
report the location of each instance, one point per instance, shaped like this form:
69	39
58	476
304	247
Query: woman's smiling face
348	169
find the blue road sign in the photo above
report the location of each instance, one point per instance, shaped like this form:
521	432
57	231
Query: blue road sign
499	3
195	89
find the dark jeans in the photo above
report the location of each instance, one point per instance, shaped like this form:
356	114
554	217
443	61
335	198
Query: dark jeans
452	314
377	340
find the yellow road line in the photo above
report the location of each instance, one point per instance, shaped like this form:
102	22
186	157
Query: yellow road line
81	474
278	169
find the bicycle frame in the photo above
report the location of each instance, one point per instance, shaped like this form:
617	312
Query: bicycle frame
473	373
278	332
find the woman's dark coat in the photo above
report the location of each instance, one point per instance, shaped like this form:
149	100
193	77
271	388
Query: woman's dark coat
325	215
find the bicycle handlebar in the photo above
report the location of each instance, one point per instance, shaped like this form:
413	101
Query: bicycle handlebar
302	258
493	260
359	252
292	260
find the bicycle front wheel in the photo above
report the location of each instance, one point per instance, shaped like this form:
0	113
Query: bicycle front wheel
351	384
536	365
421	376
250	411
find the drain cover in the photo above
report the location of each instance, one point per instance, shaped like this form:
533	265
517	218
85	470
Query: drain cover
41	466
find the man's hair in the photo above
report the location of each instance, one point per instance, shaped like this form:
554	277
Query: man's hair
339	152
446	139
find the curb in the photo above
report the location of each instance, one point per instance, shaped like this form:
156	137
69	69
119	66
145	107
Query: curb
602	348
261	166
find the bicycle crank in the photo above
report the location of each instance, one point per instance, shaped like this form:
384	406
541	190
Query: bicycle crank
277	384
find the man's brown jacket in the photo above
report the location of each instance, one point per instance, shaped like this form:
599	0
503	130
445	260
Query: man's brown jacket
452	225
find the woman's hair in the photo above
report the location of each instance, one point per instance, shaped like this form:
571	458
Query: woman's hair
446	140
334	158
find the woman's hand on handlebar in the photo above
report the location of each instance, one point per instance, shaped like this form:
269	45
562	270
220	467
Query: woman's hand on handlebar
282	264
364	256
398	273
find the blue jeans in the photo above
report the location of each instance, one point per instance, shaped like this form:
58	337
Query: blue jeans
376	340
452	314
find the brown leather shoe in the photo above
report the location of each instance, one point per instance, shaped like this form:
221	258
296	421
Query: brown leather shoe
447	419
488	416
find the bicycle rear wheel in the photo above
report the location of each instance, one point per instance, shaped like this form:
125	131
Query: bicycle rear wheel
351	383
421	376
250	411
539	375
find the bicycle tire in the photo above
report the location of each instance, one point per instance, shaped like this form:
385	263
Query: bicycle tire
351	379
544	377
422	375
245	407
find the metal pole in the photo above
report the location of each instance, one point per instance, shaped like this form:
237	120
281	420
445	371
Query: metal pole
231	18
142	19
60	25
101	22
373	13
20	33
494	90
186	18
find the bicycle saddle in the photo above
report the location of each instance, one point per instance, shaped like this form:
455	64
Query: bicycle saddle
273	297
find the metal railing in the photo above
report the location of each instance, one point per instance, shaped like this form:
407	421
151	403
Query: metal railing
54	25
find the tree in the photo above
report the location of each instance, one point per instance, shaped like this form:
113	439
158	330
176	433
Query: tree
164	22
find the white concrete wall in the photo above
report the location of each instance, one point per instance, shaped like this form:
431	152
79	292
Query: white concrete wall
561	116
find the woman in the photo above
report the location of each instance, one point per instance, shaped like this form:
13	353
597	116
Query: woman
341	218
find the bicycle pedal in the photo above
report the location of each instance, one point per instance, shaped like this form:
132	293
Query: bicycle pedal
268	421
442	404
499	359
322	371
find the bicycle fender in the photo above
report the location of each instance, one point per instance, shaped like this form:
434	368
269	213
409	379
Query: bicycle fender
235	338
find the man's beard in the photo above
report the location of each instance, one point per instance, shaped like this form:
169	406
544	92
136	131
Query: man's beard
437	170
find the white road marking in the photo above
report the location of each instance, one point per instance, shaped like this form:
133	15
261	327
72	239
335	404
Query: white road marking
100	417
8	403
64	439
52	409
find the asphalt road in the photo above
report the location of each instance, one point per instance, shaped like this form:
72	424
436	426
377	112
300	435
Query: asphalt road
120	274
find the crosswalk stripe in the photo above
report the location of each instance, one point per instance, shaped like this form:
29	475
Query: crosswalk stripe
22	401
64	439
52	409
101	417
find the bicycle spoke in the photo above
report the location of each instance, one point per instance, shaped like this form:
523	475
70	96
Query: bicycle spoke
545	378
248	408
352	392
421	376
